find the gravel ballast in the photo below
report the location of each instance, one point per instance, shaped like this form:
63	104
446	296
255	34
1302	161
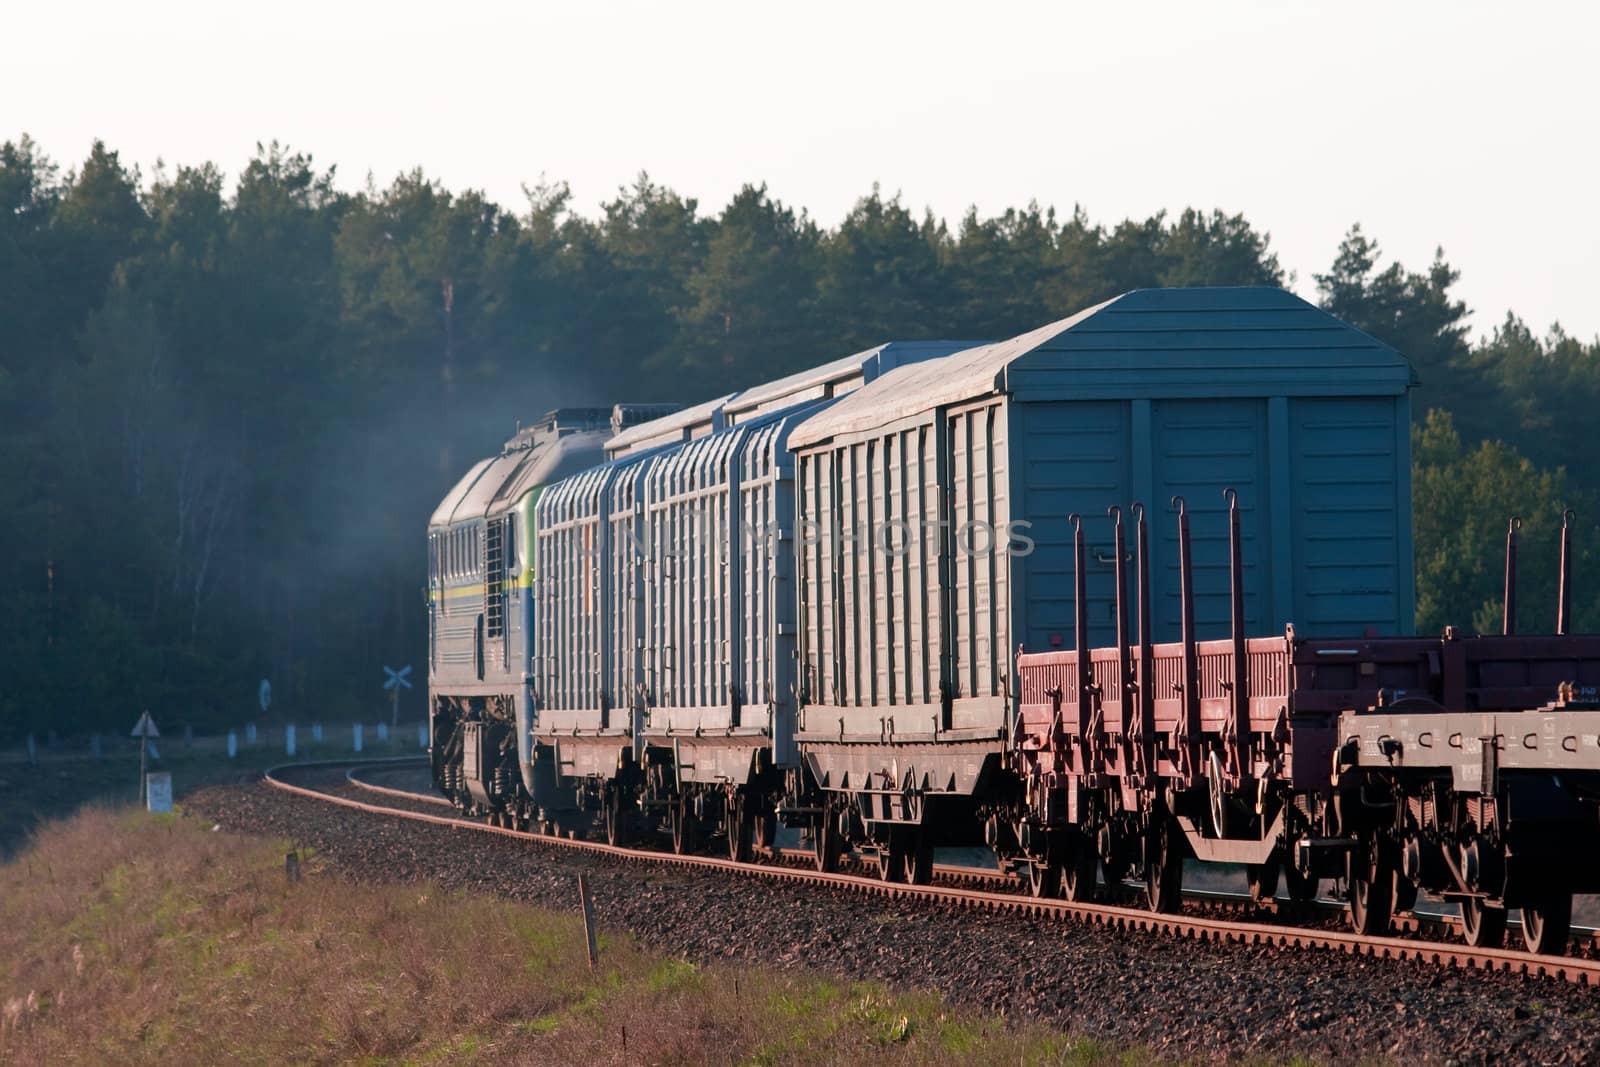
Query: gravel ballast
1183	999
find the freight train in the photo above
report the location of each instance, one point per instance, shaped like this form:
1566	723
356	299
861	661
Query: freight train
841	602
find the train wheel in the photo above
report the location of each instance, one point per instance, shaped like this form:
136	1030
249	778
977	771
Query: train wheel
1302	888
1163	874
1371	881
892	857
685	827
826	844
1263	880
1547	924
919	857
616	817
1078	873
1044	877
740	829
1405	893
1483	925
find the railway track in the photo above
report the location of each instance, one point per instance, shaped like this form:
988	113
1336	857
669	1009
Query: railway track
984	889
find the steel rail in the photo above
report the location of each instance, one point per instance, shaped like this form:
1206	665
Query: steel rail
384	790
1408	924
1415	923
1565	968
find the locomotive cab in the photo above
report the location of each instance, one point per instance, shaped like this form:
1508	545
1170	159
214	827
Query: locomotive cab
481	611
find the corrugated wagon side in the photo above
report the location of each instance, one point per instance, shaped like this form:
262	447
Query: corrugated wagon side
665	664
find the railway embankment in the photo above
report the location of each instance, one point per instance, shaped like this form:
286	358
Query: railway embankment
128	938
1165	998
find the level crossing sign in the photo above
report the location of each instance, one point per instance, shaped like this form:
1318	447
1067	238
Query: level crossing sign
395	683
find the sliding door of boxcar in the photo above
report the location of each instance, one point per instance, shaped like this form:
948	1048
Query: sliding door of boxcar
816	548
979	480
1199	448
625	565
568	637
909	546
1348	544
1075	458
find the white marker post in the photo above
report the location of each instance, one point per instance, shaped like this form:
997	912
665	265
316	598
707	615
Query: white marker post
422	735
395	682
233	743
316	732
383	732
158	790
355	736
144	730
288	739
264	698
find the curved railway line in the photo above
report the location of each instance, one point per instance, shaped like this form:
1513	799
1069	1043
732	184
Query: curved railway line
980	889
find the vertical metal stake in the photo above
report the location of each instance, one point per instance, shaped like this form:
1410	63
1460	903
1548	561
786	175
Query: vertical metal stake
1508	624
1080	628
588	920
1146	664
1564	587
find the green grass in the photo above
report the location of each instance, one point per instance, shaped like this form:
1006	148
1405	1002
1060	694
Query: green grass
131	938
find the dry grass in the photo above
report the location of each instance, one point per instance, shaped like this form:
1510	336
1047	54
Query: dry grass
127	938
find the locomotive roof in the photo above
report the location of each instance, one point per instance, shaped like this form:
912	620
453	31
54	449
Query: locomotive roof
1145	342
550	453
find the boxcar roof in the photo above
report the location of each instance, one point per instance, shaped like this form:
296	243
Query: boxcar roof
822	382
1181	342
678	426
834	378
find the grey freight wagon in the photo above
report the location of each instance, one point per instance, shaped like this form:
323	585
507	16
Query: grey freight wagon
665	634
939	498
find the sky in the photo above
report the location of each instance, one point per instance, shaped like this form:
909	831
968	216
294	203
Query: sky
1471	126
